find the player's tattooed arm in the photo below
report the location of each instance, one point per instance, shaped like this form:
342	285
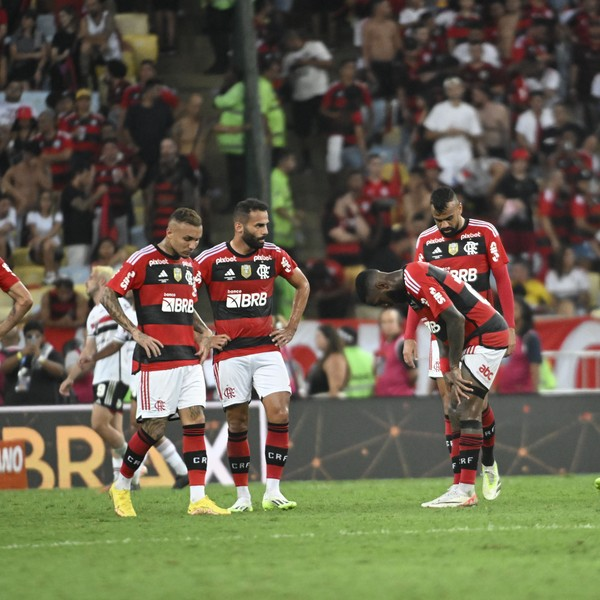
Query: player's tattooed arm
110	301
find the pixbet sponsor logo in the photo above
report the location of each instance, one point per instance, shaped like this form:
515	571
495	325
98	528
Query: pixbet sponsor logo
262	257
237	299
156	261
437	240
486	372
466	236
225	259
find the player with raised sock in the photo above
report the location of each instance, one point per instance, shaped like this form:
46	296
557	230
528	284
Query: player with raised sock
240	277
472	338
11	285
471	250
167	360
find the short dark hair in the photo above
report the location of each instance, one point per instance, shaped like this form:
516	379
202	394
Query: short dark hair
186	215
441	197
33	326
64	282
242	209
363	283
281	154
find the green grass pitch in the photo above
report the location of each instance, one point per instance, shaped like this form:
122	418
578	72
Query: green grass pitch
346	540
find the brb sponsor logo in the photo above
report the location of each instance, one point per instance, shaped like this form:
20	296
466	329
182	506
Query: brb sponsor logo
486	372
432	326
173	304
237	299
464	274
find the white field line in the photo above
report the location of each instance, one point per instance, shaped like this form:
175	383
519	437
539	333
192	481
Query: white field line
278	536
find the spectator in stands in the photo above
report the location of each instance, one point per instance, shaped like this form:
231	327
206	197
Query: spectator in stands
305	66
342	106
11	103
23	130
477	71
476	43
116	84
514	203
148	123
286	220
173	185
107	254
530	124
113	186
8	226
329	375
361	377
99	40
84	127
585	212
63	71
329	291
380	44
399	251
11	344
568	284
219	24
26	180
495	122
44	226
28	53
34	372
147	72
520	372
393	376
77	205
63	307
454	127
191	130
165	15
532	290
416	201
56	149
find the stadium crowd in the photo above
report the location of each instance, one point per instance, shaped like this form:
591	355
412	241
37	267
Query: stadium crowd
381	100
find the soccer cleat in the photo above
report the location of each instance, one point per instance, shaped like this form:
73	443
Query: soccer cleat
206	506
453	498
242	505
181	481
492	483
597	484
277	501
122	502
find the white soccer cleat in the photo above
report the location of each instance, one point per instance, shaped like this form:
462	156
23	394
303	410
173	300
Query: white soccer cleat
491	484
453	498
277	501
242	505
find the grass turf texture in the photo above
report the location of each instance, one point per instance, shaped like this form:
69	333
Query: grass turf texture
364	539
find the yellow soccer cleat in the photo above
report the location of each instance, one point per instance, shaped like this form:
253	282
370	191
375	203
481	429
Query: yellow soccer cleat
206	506
277	501
491	483
122	502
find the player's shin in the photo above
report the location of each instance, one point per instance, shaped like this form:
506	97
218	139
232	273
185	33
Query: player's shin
471	439
276	453
238	454
488	421
194	455
138	447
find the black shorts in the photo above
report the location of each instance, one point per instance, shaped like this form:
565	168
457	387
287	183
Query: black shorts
168	5
386	79
110	394
305	114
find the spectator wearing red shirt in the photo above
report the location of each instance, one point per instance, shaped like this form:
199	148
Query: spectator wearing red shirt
85	128
56	149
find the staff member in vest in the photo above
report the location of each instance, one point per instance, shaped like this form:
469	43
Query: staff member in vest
270	71
394	376
174	185
360	363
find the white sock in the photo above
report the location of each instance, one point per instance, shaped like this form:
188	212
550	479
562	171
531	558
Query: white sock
122	483
466	488
196	493
169	452
243	492
121	450
272	486
117	461
139	472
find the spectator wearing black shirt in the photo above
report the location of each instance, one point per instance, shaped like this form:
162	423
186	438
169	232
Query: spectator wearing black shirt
33	373
63	75
148	123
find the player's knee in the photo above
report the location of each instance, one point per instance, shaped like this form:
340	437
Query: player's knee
278	414
155	428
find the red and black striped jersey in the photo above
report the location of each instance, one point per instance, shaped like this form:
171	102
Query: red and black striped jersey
7	277
471	254
113	177
432	290
240	288
61	171
86	133
165	291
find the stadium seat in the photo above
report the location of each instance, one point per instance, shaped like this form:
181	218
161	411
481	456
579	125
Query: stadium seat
20	257
145	47
132	23
30	275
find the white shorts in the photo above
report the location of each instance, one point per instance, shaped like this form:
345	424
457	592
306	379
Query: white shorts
434	360
236	376
161	394
483	363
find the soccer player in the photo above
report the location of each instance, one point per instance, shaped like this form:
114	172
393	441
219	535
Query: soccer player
471	250
240	277
472	338
166	359
109	382
10	284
